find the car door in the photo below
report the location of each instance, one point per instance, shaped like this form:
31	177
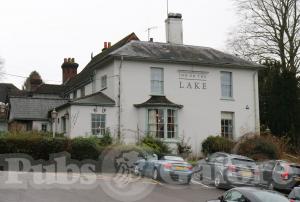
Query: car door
234	196
208	167
218	166
267	172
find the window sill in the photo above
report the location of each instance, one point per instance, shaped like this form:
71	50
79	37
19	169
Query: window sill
227	98
173	140
156	94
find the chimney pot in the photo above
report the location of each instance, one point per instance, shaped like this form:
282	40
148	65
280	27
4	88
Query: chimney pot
174	33
105	44
69	69
151	40
109	44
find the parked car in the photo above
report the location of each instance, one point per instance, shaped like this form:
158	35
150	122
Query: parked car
279	175
250	194
294	196
171	169
228	170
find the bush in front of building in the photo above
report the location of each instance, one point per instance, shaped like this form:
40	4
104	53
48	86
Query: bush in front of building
156	145
214	144
85	148
37	147
260	147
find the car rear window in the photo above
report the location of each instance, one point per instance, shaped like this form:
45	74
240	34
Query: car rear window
243	162
269	196
295	169
172	158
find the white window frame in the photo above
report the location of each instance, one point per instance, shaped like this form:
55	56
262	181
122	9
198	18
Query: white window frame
159	82
166	133
225	85
97	128
226	118
103	81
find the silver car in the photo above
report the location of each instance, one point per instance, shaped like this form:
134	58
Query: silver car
170	169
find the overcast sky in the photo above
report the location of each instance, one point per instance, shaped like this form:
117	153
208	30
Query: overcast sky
37	35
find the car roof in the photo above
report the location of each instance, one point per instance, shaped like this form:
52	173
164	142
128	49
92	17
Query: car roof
248	191
234	156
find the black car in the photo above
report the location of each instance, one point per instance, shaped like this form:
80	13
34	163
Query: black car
227	170
250	194
279	175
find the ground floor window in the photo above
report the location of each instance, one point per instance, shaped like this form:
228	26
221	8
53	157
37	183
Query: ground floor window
98	124
227	124
44	127
162	123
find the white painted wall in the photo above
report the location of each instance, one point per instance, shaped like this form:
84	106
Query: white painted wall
37	125
80	119
201	114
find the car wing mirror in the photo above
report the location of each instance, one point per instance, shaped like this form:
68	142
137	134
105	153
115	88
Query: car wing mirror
207	159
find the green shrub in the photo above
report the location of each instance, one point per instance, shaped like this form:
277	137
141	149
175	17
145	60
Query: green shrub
184	148
258	148
156	145
214	144
85	148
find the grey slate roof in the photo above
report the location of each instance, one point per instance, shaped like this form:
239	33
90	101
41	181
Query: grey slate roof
5	90
158	101
174	53
96	99
86	74
50	89
28	108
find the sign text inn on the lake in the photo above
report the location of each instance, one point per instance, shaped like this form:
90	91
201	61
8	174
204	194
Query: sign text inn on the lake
193	79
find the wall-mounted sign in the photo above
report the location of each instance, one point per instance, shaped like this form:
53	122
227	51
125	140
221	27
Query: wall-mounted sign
193	79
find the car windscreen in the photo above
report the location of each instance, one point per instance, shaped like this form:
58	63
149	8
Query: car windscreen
172	158
243	162
295	169
269	196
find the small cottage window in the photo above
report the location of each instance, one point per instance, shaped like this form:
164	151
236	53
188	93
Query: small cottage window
226	84
227	124
82	91
104	82
157	81
162	123
75	94
98	124
44	127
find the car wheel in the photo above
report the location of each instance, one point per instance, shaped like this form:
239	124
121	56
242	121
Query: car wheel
217	181
155	174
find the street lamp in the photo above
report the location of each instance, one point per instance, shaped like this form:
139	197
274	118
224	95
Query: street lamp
54	116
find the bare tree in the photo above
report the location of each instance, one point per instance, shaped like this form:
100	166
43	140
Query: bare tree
268	29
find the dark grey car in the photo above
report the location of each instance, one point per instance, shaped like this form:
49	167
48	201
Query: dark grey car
227	170
279	175
250	194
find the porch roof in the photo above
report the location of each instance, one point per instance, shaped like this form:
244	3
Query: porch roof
158	101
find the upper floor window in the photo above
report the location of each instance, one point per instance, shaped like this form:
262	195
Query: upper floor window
227	124
226	84
104	82
157	81
75	94
82	91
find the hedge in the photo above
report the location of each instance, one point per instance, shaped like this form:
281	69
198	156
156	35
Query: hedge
214	144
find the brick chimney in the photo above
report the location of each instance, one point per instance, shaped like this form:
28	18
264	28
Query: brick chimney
69	69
